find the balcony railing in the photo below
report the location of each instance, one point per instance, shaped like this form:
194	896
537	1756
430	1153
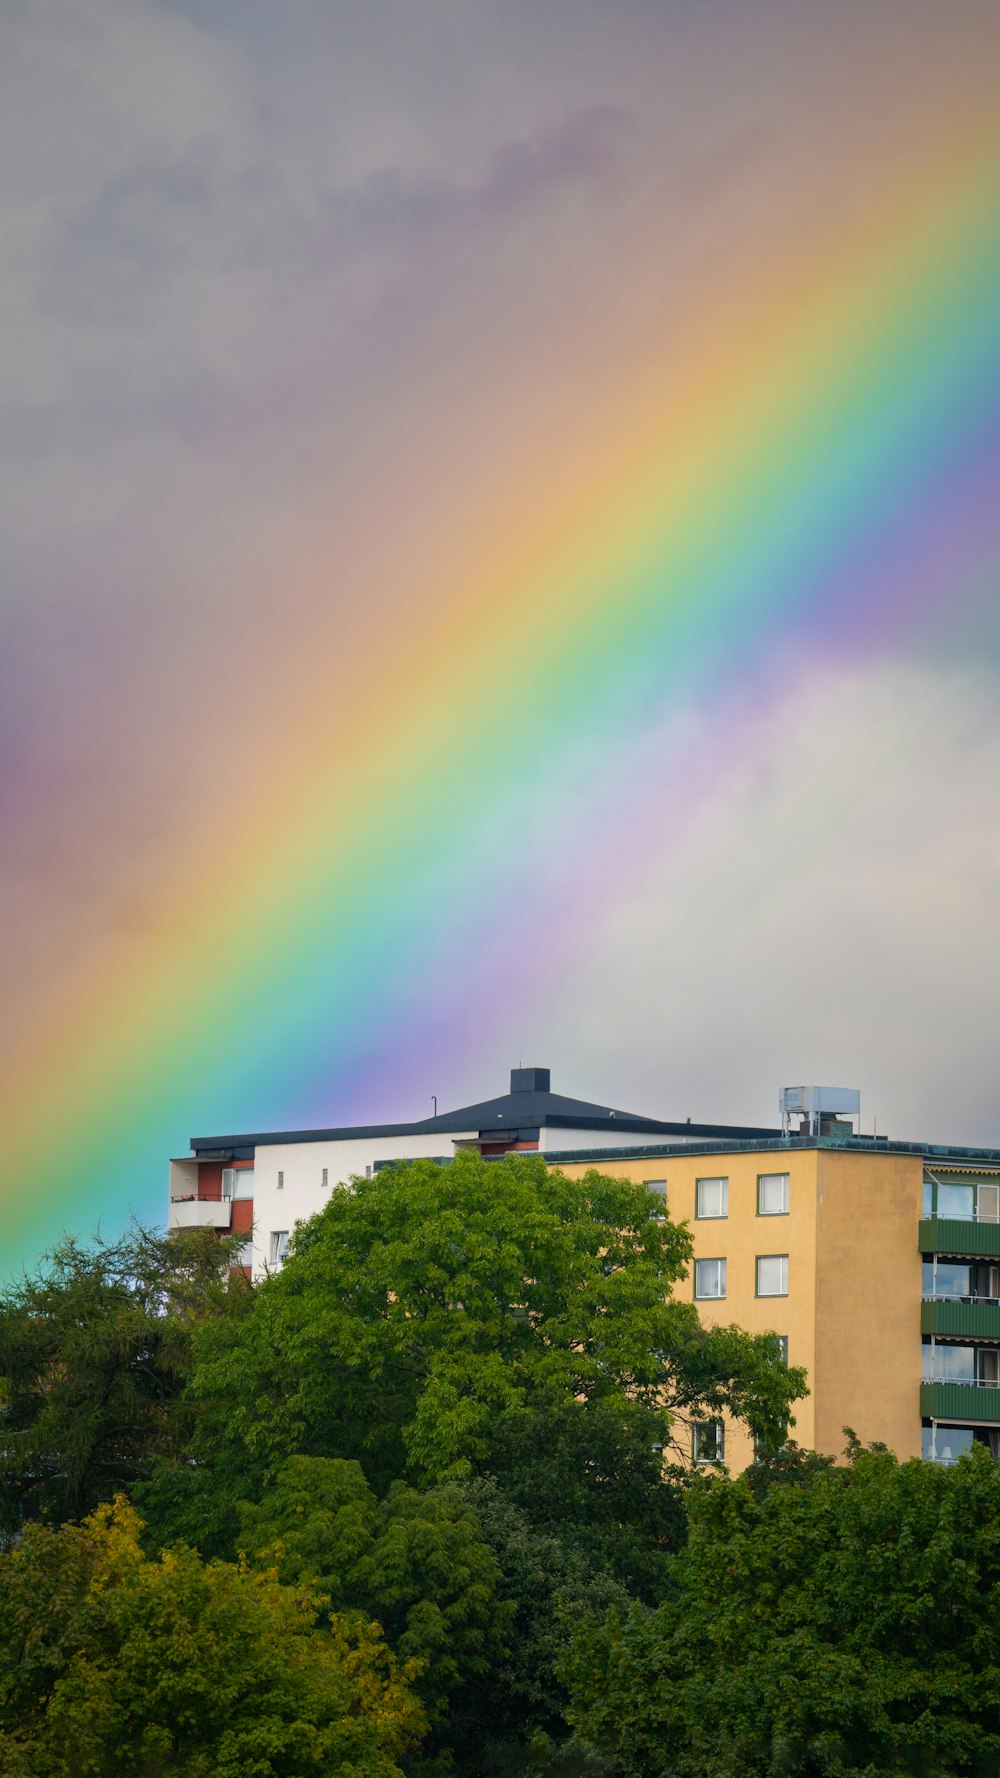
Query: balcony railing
952	1398
200	1213
970	1317
967	1236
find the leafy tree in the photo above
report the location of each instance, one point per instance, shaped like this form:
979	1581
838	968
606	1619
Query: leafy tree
415	1561
548	1584
94	1352
112	1666
435	1322
846	1626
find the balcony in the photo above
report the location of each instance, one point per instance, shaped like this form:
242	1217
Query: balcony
965	1402
966	1238
200	1213
961	1317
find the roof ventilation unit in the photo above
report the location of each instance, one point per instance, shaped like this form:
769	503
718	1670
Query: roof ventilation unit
829	1112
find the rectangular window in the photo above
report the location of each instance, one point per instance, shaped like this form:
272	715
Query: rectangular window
772	1194
948	1364
279	1247
772	1274
244	1254
281	1182
709	1277
228	1181
988	1203
946	1278
945	1444
956	1201
707	1441
658	1187
326	1175
712	1198
988	1365
781	1341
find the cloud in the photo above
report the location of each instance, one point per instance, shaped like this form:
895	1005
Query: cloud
832	918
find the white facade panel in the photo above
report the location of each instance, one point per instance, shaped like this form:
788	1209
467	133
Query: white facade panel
299	1167
550	1138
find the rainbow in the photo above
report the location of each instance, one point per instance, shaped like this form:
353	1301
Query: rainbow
818	475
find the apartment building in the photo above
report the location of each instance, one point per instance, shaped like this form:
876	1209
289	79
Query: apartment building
875	1263
261	1184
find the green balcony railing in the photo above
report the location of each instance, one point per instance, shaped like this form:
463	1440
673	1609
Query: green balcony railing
961	1320
946	1234
966	1403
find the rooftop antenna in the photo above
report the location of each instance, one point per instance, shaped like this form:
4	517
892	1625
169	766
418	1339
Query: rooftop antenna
435	1099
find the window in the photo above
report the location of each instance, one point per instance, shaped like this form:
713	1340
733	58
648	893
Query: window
707	1441
946	1278
658	1186
709	1277
781	1341
281	1182
244	1255
368	1172
772	1194
948	1364
326	1175
279	1247
945	1444
712	1199
228	1181
772	1274
962	1200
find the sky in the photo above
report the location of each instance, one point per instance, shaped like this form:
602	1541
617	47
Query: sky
500	560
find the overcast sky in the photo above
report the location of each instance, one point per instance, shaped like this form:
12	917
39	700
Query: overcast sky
304	304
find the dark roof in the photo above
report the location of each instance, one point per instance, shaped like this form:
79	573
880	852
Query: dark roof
523	1112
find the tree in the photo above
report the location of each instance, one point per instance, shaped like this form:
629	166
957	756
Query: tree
415	1561
112	1666
94	1353
844	1625
437	1322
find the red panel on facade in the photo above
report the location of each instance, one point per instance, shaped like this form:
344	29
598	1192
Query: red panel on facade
242	1221
210	1180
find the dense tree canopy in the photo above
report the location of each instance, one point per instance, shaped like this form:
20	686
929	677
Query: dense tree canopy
94	1354
112	1666
844	1627
485	1317
415	1561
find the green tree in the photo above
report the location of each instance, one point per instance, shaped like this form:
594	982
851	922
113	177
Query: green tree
414	1561
95	1349
548	1583
485	1317
845	1626
112	1666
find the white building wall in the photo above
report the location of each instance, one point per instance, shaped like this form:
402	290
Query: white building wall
550	1138
301	1165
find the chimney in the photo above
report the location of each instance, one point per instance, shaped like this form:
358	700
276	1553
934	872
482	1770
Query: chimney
529	1080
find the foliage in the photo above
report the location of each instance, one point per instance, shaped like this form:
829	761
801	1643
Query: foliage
547	1584
112	1666
434	1322
844	1627
415	1561
94	1352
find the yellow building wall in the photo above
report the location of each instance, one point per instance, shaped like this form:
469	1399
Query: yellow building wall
852	1313
739	1238
868	1352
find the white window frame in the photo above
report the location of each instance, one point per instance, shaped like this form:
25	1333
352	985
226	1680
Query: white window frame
720	1179
767	1179
782	1259
710	1296
229	1178
278	1251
